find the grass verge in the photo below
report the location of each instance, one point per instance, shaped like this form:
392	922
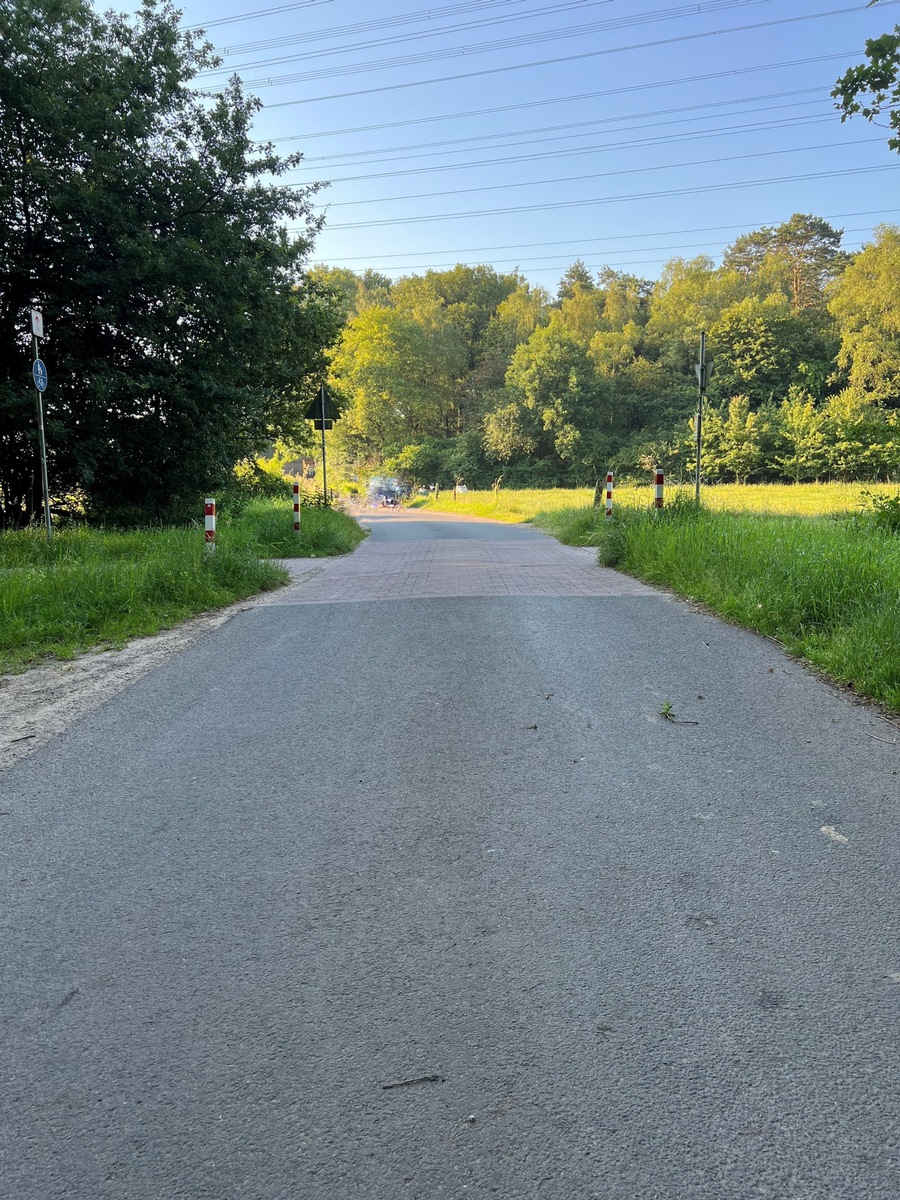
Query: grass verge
265	528
91	588
828	590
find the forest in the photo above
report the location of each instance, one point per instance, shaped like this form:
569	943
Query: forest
470	374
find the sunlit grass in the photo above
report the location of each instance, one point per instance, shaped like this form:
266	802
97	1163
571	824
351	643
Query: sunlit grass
828	590
802	499
92	588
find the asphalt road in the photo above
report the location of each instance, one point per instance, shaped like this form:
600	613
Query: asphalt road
341	846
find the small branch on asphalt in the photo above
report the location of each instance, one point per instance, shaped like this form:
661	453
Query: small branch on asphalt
412	1082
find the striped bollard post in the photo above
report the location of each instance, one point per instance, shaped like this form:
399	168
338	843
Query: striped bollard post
609	492
209	527
659	484
296	508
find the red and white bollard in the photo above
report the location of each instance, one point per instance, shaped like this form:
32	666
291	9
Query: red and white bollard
296	508
659	484
609	492
209	535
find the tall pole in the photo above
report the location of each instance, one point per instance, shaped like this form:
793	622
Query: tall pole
43	444
701	379
324	467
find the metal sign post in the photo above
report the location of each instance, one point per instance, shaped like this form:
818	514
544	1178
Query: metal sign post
322	418
702	369
323	415
39	375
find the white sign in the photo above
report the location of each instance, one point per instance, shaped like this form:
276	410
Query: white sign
37	322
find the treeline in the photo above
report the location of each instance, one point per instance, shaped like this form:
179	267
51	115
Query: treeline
471	374
140	215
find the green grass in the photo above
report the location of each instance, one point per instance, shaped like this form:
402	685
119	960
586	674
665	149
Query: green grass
828	590
266	528
801	499
93	588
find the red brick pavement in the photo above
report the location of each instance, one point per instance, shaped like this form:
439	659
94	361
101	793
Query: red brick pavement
441	567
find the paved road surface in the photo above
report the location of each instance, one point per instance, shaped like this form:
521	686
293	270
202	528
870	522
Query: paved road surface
354	839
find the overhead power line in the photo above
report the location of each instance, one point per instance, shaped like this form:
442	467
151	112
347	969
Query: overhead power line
667	139
579	97
257	13
559	205
715	250
617	237
467	51
603	51
465	142
398	39
654	167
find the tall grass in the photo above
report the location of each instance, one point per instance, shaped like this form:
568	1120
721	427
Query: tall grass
828	590
266	527
91	588
97	588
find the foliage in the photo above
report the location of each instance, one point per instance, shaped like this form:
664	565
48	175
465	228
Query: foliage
883	510
866	303
181	336
399	369
604	375
797	259
873	88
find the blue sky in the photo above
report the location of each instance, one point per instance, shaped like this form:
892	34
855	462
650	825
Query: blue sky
529	133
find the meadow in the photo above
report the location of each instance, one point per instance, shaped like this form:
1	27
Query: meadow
785	499
94	588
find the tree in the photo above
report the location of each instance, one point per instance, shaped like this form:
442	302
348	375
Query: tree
873	88
803	455
352	292
399	371
580	313
558	401
756	346
866	303
800	258
576	276
135	214
688	299
854	430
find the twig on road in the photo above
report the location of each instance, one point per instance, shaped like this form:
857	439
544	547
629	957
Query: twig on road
411	1082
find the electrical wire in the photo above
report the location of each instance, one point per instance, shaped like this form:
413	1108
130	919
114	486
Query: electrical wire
603	51
499	187
398	40
559	205
524	39
310	135
256	14
529	134
623	237
516	263
604	148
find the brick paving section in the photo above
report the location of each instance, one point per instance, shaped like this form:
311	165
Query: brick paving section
429	568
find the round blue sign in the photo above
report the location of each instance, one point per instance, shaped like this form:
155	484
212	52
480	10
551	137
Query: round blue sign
39	371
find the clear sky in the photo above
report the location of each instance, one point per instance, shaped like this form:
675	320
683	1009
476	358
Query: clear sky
529	133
